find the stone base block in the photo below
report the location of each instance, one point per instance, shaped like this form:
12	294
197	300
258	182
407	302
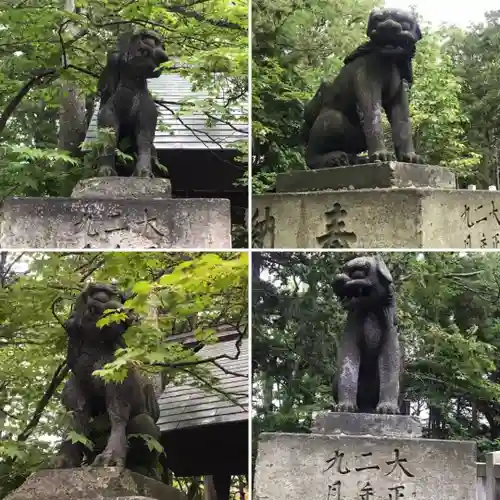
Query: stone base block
106	223
123	188
370	175
93	483
321	467
367	424
378	218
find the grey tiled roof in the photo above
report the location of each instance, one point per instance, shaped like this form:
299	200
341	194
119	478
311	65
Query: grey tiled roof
188	405
173	87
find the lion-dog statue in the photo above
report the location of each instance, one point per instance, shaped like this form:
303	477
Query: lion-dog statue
369	357
104	412
126	106
344	118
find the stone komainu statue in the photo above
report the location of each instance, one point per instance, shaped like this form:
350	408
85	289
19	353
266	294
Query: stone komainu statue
344	118
369	357
126	106
105	413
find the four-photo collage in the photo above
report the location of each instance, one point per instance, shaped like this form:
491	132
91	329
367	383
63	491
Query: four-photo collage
249	250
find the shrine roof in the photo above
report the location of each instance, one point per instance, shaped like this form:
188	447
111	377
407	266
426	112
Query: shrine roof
194	404
191	130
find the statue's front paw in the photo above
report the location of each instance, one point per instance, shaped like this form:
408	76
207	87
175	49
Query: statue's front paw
410	158
345	406
387	408
359	160
106	171
109	459
337	159
144	172
329	160
380	156
61	462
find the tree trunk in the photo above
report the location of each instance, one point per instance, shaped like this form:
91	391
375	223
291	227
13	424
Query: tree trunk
3	417
209	488
72	119
241	488
193	490
73	112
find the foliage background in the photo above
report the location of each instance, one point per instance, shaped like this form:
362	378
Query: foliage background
52	51
174	293
455	100
448	310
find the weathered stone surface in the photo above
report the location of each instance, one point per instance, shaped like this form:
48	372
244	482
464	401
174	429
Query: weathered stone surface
100	224
370	175
92	483
123	188
378	218
135	497
101	497
367	424
314	467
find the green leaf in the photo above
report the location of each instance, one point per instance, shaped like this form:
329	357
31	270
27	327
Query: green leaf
74	437
151	442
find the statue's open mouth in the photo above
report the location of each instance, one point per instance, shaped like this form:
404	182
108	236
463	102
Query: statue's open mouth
390	49
357	289
401	43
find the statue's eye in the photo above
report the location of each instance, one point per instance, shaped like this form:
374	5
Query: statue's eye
406	26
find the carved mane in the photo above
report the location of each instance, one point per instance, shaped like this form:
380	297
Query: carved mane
404	64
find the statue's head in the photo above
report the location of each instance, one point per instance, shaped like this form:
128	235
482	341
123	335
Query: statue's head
394	32
365	282
143	53
90	307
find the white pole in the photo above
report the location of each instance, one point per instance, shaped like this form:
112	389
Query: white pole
492	459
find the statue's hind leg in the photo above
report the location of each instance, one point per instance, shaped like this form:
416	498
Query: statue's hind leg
333	140
141	458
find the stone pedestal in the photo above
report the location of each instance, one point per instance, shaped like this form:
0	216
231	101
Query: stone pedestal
116	212
369	175
342	466
378	218
386	205
367	424
93	483
126	188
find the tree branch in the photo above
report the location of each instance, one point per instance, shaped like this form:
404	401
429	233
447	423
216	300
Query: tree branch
229	124
53	308
5	343
215	388
59	375
93	267
15	101
213	360
195	133
219	23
